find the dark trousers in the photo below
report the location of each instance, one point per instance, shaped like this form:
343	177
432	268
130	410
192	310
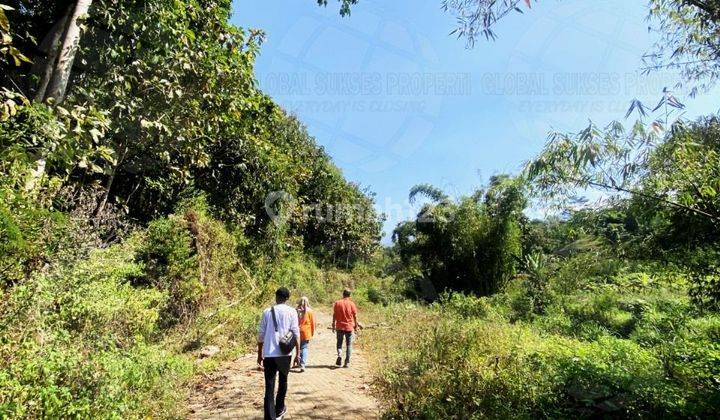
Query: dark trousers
274	366
347	336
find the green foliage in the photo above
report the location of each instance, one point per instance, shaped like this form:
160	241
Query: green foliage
671	182
112	334
193	258
672	209
132	219
376	296
470	245
7	50
129	130
377	288
623	343
163	105
31	234
433	193
463	305
60	142
609	158
304	277
62	379
686	166
528	293
172	264
688	41
80	342
477	18
705	290
476	370
187	61
317	209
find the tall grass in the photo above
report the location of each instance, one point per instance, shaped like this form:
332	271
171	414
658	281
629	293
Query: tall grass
115	333
619	343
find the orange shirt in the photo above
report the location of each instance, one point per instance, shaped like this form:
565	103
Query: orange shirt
307	326
345	311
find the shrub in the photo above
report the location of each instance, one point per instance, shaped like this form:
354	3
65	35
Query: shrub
83	342
171	264
706	327
620	342
479	369
194	258
304	278
705	290
463	305
602	309
96	299
583	270
376	296
62	379
30	234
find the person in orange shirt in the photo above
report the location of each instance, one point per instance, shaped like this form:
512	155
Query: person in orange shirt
344	323
307	329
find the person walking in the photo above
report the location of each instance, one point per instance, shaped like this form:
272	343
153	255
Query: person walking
307	329
275	345
344	323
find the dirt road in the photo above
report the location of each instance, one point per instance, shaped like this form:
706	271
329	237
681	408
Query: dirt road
323	391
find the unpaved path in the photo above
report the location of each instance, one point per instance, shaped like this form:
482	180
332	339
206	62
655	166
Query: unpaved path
323	391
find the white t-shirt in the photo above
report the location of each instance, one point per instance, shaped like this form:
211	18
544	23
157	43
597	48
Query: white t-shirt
287	320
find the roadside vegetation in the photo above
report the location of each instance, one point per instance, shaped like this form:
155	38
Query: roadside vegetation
152	198
135	228
605	309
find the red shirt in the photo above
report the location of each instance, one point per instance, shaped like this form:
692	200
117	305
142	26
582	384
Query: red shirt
345	311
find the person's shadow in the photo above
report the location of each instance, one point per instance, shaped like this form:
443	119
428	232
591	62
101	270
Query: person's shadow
331	367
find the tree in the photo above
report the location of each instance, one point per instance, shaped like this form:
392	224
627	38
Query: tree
60	74
611	159
433	193
44	66
684	168
58	26
664	190
163	104
471	244
689	41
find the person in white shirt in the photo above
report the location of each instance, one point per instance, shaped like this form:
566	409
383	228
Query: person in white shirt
270	357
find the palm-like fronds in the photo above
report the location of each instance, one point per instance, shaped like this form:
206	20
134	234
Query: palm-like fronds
433	193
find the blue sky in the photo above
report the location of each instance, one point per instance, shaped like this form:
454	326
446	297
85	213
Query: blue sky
397	101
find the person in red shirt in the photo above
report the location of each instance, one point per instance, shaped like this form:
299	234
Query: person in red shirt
344	323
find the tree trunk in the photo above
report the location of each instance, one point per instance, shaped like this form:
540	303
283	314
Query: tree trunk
106	195
68	50
108	186
43	67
